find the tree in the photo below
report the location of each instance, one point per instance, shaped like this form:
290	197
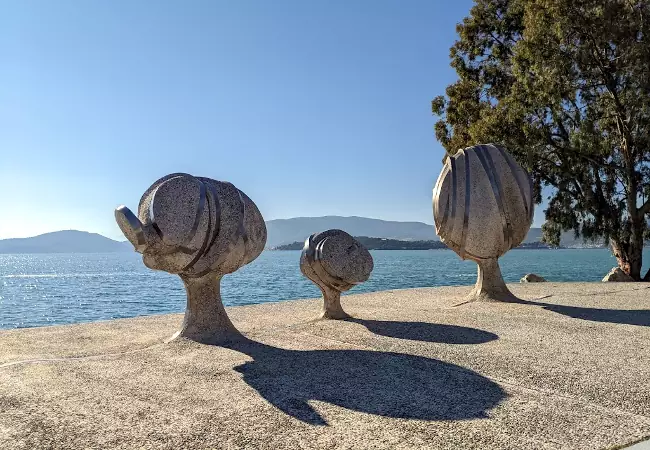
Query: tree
565	86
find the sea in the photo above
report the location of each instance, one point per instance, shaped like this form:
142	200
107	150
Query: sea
55	289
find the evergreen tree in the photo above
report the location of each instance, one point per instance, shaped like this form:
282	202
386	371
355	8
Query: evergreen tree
565	86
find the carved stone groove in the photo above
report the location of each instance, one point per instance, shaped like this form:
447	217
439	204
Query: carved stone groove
200	229
335	262
483	207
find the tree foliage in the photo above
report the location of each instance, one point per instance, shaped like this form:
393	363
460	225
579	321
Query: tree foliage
565	86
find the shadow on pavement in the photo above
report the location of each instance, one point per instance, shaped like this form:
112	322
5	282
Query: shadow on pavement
427	332
383	383
639	317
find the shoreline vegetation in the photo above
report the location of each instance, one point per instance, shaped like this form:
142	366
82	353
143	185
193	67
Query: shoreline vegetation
372	243
563	86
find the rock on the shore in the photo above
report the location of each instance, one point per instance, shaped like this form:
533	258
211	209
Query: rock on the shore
616	274
532	278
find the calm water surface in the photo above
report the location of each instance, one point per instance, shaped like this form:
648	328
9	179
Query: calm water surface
51	289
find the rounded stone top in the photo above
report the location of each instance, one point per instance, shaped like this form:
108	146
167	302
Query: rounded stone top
482	202
335	259
193	226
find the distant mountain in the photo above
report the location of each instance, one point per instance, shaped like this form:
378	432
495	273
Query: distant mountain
69	241
287	231
280	232
372	243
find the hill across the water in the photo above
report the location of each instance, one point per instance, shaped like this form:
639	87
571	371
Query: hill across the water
68	241
393	244
287	231
281	232
378	244
297	229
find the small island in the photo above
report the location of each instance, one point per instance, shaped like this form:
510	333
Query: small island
373	243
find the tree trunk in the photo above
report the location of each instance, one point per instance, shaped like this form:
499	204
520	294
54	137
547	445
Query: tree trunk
206	320
630	254
629	257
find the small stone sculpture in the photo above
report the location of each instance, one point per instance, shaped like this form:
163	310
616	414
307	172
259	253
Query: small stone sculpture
199	229
483	207
335	262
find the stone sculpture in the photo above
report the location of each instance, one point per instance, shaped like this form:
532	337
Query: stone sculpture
483	207
199	229
335	262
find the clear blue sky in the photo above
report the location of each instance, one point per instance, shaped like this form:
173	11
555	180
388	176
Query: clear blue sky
310	107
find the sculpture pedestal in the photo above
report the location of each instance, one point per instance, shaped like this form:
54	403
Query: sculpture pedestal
490	286
206	320
332	308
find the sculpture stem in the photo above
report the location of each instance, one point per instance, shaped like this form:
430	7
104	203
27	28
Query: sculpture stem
206	320
490	285
332	308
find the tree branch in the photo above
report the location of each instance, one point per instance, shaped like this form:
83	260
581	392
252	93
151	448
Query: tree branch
645	208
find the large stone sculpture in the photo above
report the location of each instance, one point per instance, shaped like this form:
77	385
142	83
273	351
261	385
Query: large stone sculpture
199	229
335	262
483	207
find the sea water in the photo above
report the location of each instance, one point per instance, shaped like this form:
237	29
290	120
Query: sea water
53	289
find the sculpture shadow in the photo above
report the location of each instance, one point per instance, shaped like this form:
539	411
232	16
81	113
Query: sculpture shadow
383	383
427	332
640	317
